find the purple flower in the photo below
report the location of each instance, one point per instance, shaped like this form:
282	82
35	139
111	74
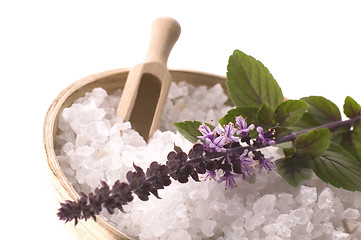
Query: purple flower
265	138
267	164
228	177
212	142
242	126
210	174
229	132
207	132
246	163
215	145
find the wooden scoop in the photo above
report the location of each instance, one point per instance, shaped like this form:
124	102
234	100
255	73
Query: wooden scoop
147	86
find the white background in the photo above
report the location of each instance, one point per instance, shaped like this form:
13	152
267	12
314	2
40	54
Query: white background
310	47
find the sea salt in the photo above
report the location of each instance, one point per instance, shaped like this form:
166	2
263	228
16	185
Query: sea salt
351	213
325	200
92	144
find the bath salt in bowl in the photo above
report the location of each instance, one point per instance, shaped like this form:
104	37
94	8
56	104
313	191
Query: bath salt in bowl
85	143
110	81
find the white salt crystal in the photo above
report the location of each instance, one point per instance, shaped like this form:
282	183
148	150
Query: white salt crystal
338	235
199	193
300	232
112	176
93	178
85	151
254	221
237	223
307	195
284	232
317	230
80	176
301	215
180	211
210	115
207	227
328	227
250	199
271	228
81	140
285	220
157	230
325	200
76	161
309	227
272	236
338	206
237	234
265	205
97	96
68	148
286	198
179	234
322	215
350	225
97	130
350	213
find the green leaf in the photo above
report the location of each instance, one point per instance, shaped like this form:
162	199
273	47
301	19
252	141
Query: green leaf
351	108
297	159
357	125
306	122
189	129
290	111
249	82
266	116
338	168
289	152
281	132
314	142
322	109
292	174
249	113
301	160
351	141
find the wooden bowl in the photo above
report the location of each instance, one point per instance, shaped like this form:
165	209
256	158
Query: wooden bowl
110	81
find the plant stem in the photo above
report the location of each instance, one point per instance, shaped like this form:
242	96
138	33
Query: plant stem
335	124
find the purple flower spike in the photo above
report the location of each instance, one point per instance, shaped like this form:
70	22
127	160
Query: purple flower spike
243	129
267	164
229	178
264	139
229	132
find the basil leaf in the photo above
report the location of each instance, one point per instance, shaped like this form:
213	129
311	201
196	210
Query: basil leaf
249	114
351	108
322	109
351	141
189	129
250	83
338	168
290	111
314	142
307	121
292	174
266	116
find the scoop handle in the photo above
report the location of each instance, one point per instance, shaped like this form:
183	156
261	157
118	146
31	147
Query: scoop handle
165	32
